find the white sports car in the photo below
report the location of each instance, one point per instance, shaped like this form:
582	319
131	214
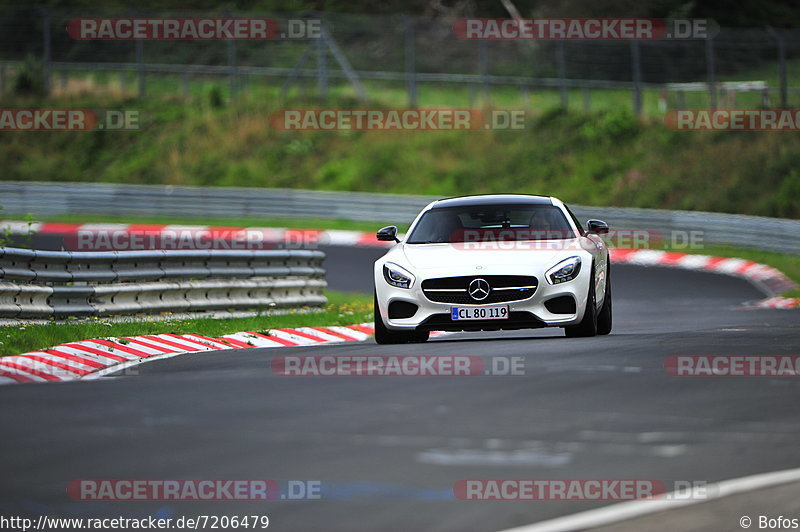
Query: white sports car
493	262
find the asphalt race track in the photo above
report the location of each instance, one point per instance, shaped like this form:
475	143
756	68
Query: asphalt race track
389	450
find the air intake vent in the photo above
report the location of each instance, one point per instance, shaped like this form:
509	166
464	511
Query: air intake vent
561	305
401	309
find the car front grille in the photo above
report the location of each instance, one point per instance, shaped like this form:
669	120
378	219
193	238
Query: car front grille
502	289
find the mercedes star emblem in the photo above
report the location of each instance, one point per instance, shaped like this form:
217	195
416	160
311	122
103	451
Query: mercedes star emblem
479	289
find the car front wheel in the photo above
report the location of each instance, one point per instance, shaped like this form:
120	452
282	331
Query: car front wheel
604	320
588	325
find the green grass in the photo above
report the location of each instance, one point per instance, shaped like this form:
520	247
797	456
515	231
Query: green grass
600	158
342	309
289	223
603	157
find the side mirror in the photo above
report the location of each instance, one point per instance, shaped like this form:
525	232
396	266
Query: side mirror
597	226
388	234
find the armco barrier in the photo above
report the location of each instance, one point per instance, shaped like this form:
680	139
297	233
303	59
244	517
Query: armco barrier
62	283
51	199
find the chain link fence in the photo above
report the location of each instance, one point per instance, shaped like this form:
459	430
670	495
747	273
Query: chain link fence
420	61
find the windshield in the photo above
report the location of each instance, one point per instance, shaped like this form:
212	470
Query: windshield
477	223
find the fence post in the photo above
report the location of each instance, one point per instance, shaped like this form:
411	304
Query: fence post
710	71
47	42
636	64
483	67
140	67
561	60
232	76
411	66
322	69
781	64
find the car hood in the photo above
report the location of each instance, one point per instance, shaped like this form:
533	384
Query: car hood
443	256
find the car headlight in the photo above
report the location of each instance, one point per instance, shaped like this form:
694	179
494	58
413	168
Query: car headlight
564	271
397	275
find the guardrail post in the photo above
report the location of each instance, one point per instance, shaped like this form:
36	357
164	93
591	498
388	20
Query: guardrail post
561	61
710	72
636	66
781	65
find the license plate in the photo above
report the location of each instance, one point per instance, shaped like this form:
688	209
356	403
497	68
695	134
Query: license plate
496	312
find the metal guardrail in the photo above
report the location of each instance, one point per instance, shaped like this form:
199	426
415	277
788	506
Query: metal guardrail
35	284
221	70
48	199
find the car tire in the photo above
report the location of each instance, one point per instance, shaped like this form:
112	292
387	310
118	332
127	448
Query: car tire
385	336
604	317
588	325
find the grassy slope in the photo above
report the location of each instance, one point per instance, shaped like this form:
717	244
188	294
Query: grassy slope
342	309
601	158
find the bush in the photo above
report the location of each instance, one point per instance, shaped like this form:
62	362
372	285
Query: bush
30	78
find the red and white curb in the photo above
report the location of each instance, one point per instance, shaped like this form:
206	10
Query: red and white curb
97	357
778	302
769	279
120	237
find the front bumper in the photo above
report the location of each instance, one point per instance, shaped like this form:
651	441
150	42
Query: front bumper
524	314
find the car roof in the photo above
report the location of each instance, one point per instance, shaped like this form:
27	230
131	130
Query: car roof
493	199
